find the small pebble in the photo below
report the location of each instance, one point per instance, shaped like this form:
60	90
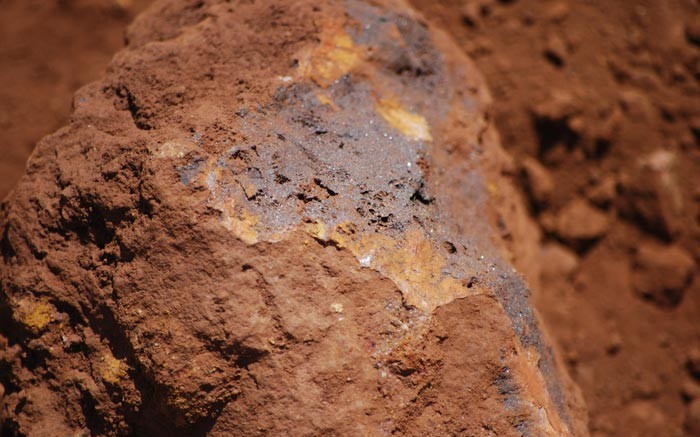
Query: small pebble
692	418
692	30
690	390
471	14
693	363
558	262
580	221
558	107
603	193
539	181
558	11
661	273
614	343
555	50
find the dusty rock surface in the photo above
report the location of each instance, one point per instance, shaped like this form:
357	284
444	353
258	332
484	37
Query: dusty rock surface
276	218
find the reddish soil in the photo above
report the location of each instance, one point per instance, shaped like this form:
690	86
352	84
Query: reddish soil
597	101
48	49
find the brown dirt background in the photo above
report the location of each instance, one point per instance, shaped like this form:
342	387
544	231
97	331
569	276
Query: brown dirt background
49	49
598	101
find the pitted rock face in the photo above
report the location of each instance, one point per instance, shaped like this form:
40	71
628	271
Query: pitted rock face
274	219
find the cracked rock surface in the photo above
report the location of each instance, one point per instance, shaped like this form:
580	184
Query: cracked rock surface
275	218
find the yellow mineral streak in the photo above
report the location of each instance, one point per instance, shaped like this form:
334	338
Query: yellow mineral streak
334	57
35	315
234	216
241	223
493	189
411	262
324	99
112	369
411	125
174	149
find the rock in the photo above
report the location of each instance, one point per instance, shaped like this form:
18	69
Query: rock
694	126
471	13
661	273
557	11
692	419
558	262
579	221
539	181
693	363
614	343
653	417
577	125
252	226
604	192
647	386
650	192
555	50
604	133
560	106
557	123
690	390
637	106
692	30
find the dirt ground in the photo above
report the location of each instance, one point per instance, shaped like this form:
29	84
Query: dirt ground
598	101
48	49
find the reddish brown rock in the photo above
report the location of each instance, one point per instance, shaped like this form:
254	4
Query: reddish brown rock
558	262
555	50
539	181
690	390
652	416
693	363
558	107
603	192
557	11
275	218
579	221
651	193
692	419
692	30
661	273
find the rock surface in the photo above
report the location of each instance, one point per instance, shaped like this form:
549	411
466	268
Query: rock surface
275	218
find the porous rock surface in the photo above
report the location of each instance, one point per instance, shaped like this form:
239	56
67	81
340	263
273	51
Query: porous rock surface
275	218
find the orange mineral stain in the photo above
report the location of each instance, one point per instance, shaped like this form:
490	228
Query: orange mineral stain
335	56
411	125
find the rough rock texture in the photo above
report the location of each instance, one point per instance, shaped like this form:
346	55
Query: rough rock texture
275	218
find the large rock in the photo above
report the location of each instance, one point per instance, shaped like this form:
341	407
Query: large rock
275	218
